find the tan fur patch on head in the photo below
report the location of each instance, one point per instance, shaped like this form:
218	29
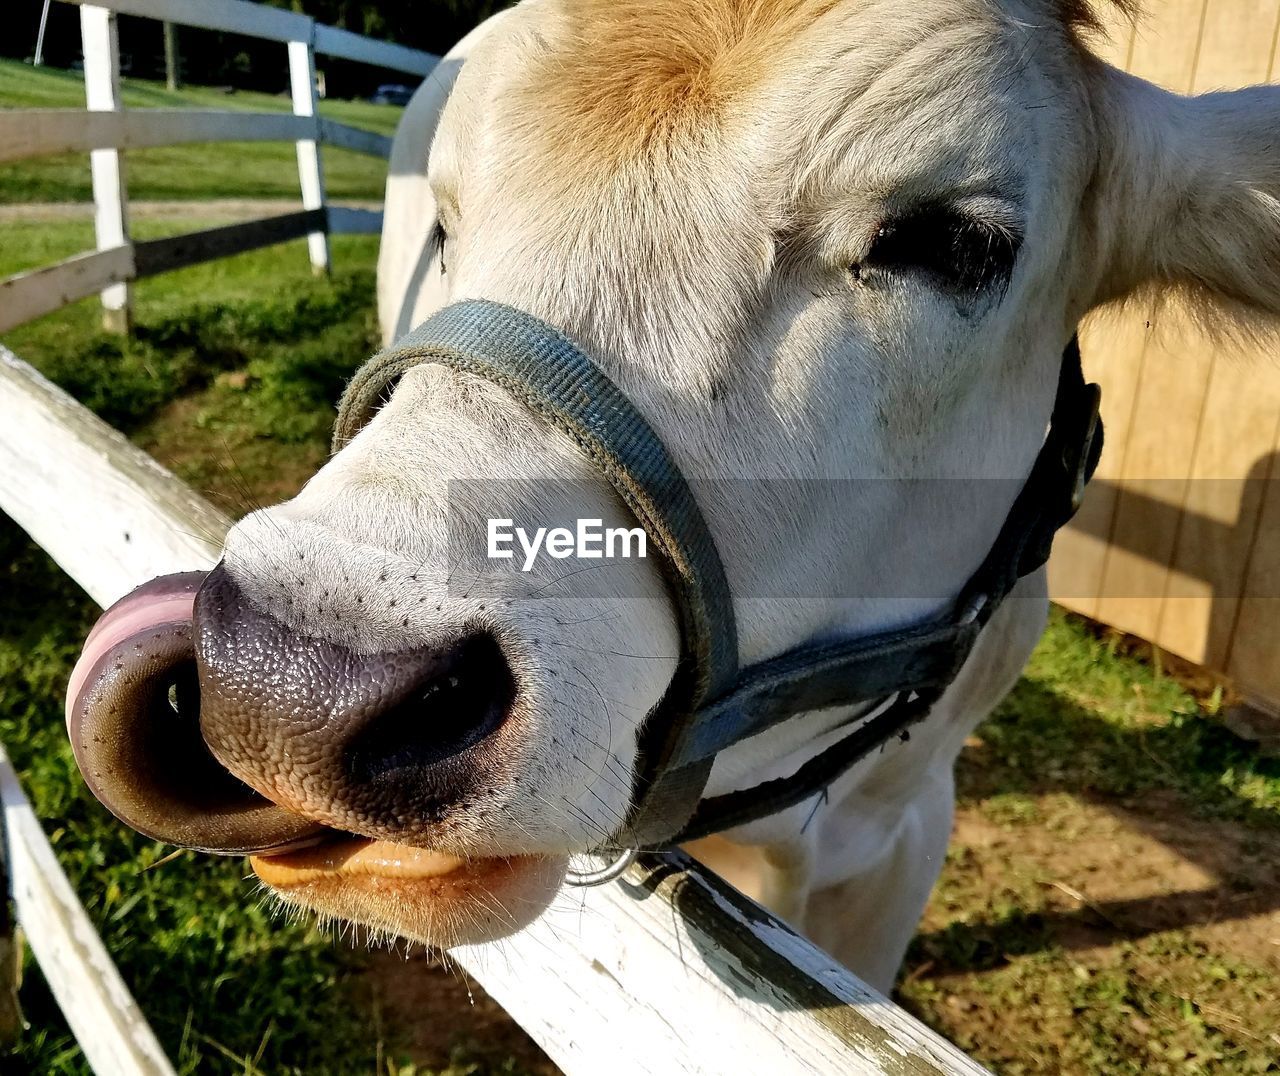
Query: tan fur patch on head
645	69
627	76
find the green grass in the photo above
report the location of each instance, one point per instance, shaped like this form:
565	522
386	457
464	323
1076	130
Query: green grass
236	170
30	244
1100	752
270	319
227	986
244	374
1085	719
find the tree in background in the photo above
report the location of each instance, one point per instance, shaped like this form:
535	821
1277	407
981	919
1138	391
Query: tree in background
433	25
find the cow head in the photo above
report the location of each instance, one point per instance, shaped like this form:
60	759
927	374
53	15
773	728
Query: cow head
824	245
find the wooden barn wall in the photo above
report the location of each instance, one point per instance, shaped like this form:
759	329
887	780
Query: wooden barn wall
1179	539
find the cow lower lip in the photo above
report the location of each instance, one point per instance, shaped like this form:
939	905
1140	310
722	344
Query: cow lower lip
432	897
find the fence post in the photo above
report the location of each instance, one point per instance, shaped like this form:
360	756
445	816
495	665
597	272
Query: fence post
101	46
172	61
302	81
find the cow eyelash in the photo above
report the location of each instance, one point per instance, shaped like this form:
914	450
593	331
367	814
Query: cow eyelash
949	248
442	244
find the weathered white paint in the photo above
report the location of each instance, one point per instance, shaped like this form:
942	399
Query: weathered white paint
106	1021
302	85
616	979
41	291
680	975
105	511
32	132
101	45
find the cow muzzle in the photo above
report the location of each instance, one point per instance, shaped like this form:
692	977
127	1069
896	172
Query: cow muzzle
201	721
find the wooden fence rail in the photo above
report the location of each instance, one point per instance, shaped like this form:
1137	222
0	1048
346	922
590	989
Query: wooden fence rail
41	291
668	970
37	132
102	1014
106	130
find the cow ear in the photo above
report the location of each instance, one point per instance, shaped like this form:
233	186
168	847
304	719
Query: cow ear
1187	194
409	209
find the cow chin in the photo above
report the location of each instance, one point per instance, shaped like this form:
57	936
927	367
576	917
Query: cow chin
429	897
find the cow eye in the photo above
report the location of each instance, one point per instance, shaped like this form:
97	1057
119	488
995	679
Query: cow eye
442	246
947	247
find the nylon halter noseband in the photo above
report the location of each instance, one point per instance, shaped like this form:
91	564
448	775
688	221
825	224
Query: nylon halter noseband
711	703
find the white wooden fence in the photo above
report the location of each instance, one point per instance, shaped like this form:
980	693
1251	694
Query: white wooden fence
106	129
104	1018
667	970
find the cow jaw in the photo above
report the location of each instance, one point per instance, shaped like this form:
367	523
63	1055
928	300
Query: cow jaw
404	891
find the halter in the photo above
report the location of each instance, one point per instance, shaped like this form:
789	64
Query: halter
712	703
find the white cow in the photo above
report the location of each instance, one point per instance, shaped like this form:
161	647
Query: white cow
810	239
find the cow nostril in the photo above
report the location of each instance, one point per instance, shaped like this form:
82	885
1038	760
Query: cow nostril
184	693
172	761
133	715
466	696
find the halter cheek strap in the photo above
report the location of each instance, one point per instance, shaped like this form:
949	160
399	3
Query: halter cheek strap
916	666
711	704
549	374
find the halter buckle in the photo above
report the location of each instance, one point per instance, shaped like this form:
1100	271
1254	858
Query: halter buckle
606	873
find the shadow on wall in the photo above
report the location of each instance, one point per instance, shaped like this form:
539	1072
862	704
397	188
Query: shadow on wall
1213	562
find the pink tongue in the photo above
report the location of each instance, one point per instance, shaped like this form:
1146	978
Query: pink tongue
164	600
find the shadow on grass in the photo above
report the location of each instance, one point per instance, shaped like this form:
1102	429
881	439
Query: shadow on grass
1166	781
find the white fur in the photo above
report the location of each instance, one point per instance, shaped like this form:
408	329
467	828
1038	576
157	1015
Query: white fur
759	358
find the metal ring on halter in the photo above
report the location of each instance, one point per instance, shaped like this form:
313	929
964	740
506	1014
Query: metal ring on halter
604	874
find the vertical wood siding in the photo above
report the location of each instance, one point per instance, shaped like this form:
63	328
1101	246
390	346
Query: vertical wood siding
1179	540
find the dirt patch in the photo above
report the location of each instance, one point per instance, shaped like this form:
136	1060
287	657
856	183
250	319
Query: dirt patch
1128	872
436	1015
1090	935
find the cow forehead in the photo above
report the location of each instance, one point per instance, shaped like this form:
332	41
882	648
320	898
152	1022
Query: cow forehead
665	147
651	72
617	78
614	94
